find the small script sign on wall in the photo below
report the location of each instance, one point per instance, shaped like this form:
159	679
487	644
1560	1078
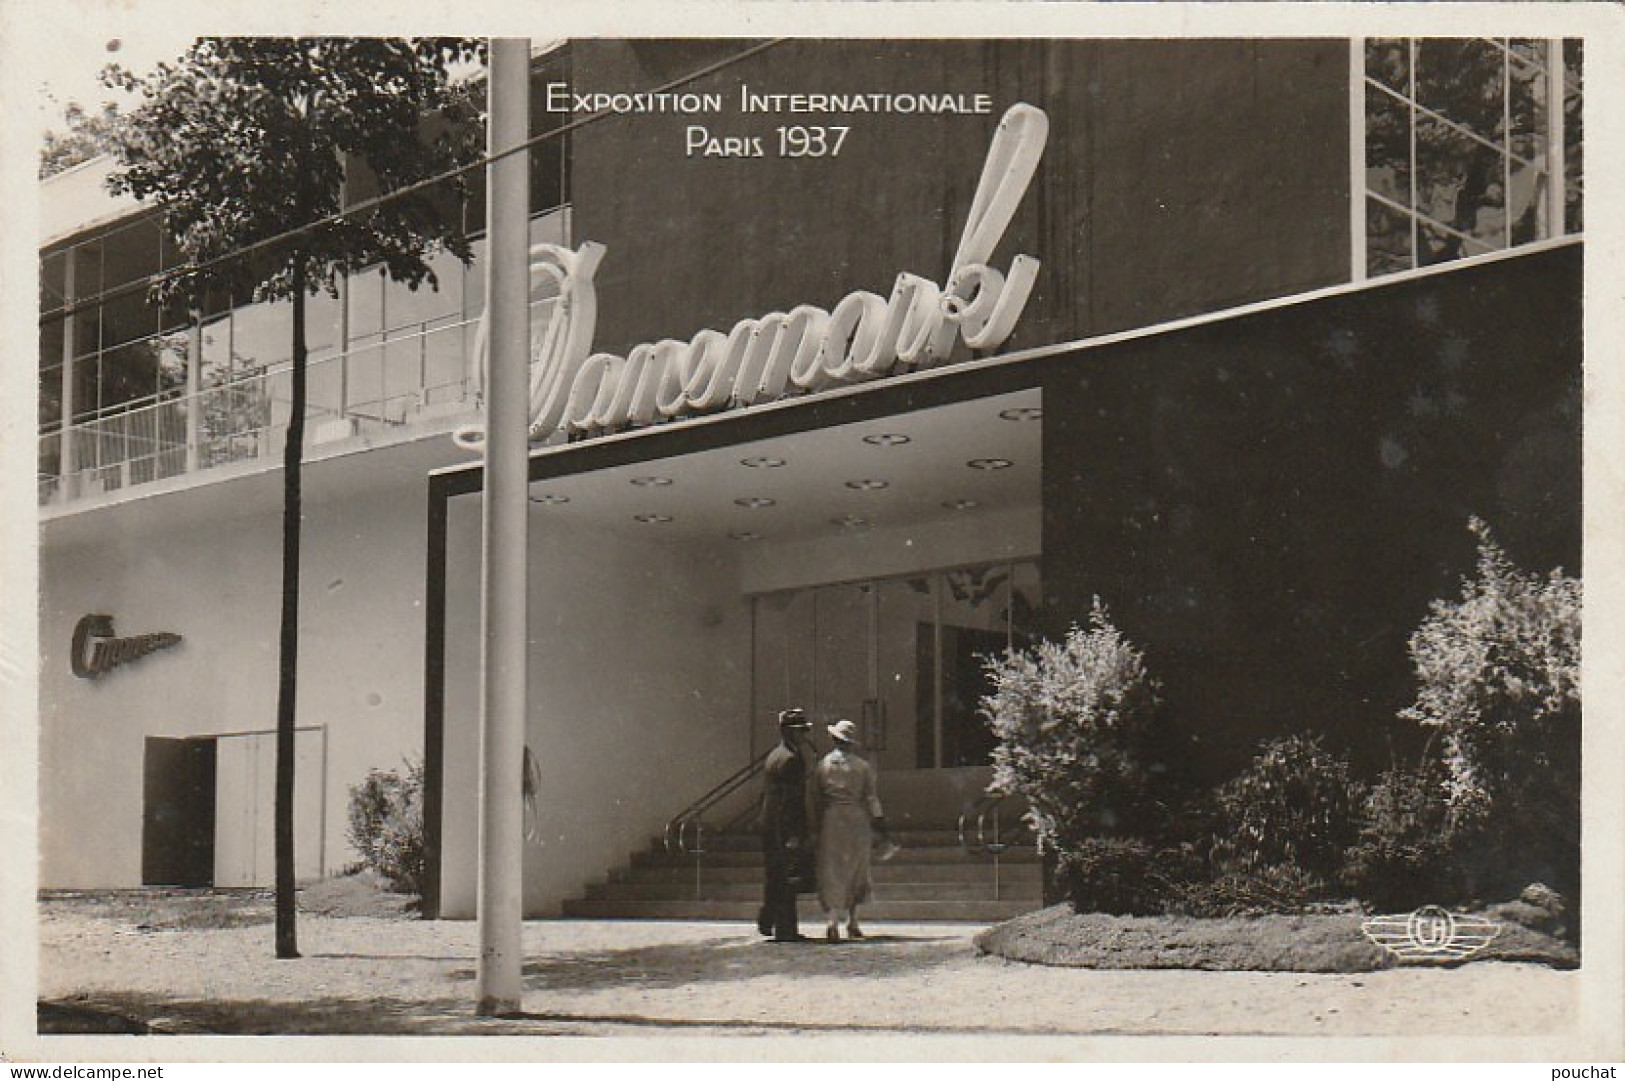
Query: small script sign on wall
96	651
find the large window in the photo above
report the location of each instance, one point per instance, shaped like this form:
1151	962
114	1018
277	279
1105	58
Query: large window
1471	145
904	658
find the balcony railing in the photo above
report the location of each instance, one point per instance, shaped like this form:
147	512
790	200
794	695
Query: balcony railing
413	375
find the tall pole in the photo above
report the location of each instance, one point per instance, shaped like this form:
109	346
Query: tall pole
503	625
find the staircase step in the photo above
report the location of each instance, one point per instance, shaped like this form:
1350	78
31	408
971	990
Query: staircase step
752	857
968	870
930	837
744	912
1027	888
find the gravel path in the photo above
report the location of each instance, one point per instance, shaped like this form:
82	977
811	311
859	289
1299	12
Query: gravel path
364	975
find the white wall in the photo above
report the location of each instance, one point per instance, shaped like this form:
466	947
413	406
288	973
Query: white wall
639	689
215	578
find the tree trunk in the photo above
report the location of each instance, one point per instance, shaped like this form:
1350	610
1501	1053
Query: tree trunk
287	942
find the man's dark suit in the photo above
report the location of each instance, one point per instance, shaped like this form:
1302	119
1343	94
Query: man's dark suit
784	835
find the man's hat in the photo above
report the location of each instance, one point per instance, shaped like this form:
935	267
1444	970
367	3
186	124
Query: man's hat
794	718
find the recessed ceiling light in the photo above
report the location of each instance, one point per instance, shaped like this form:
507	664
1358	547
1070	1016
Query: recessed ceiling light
744	535
762	462
990	463
756	502
550	498
1024	412
652	482
960	504
886	439
652	519
868	485
850	521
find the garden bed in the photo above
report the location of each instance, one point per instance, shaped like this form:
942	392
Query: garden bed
1288	943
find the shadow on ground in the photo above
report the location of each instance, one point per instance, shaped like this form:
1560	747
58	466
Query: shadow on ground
737	957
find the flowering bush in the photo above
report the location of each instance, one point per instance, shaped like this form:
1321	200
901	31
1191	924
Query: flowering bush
1499	675
1073	721
386	826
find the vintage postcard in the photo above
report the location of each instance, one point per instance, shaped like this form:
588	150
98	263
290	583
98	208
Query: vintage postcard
967	531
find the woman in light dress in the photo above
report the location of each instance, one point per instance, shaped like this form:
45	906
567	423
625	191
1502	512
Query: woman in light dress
847	813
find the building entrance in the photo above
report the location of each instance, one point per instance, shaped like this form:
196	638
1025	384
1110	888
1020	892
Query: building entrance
905	658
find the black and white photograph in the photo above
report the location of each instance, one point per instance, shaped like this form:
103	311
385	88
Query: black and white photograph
1062	531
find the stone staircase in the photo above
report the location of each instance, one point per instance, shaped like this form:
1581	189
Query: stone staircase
932	877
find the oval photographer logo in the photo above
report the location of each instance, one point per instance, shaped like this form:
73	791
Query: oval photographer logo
1430	934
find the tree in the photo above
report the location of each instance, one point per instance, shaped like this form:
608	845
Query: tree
243	144
87	136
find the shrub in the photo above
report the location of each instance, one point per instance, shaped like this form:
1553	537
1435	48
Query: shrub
386	826
1073	722
1499	679
1245	891
1293	806
1403	858
1116	875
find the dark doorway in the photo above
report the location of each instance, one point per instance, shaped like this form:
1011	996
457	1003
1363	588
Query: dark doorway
177	835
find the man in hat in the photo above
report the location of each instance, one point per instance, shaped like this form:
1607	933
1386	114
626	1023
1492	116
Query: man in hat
784	825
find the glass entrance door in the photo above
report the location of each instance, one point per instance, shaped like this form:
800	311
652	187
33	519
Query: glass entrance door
903	658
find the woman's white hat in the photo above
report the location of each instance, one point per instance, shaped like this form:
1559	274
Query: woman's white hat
844	730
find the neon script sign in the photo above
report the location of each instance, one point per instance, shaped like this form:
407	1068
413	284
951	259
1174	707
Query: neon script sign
807	349
96	651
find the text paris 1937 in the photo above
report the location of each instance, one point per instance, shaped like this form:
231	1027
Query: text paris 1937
786	141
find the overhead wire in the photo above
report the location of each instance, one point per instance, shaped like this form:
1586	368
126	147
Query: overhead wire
147	282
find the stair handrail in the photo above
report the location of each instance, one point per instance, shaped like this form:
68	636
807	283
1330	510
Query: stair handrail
985	804
676	832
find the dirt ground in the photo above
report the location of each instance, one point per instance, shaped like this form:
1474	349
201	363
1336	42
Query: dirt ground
389	974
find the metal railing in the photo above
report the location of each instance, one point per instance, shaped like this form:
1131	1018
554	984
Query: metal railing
414	373
985	810
685	831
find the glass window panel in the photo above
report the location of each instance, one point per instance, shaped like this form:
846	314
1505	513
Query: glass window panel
366	300
261	334
1531	188
1388	146
1460	182
323	391
321	323
87	269
403	360
85	382
53	281
903	720
171	352
215	361
130	254
975	628
1528	107
364	376
129	373
51	390
1388	61
1462	79
782	662
1440	246
1573	141
1528	50
445	366
474	281
411	309
128	317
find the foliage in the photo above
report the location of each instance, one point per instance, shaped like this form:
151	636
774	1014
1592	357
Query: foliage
1294	806
1073	722
1499	680
86	136
244	139
1116	875
386	826
1244	891
243	145
1403	857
